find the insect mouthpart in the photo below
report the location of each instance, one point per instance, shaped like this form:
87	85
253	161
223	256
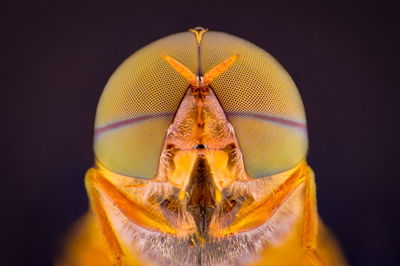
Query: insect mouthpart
201	204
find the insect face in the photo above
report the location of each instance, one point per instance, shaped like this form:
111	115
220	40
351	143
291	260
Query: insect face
200	144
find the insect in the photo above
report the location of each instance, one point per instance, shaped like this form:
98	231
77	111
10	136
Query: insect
200	144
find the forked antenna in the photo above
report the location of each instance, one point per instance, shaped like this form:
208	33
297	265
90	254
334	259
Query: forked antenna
198	81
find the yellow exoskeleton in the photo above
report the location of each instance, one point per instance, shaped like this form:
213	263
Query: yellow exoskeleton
200	144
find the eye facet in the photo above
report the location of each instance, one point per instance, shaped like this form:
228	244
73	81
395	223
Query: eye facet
258	96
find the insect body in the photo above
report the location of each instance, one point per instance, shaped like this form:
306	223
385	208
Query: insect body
200	144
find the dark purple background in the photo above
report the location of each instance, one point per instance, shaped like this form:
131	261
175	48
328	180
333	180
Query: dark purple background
56	58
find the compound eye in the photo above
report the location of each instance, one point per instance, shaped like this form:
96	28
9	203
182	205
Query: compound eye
262	103
138	104
141	97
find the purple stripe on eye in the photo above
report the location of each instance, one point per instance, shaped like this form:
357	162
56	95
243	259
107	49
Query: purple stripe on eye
243	114
270	118
122	123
